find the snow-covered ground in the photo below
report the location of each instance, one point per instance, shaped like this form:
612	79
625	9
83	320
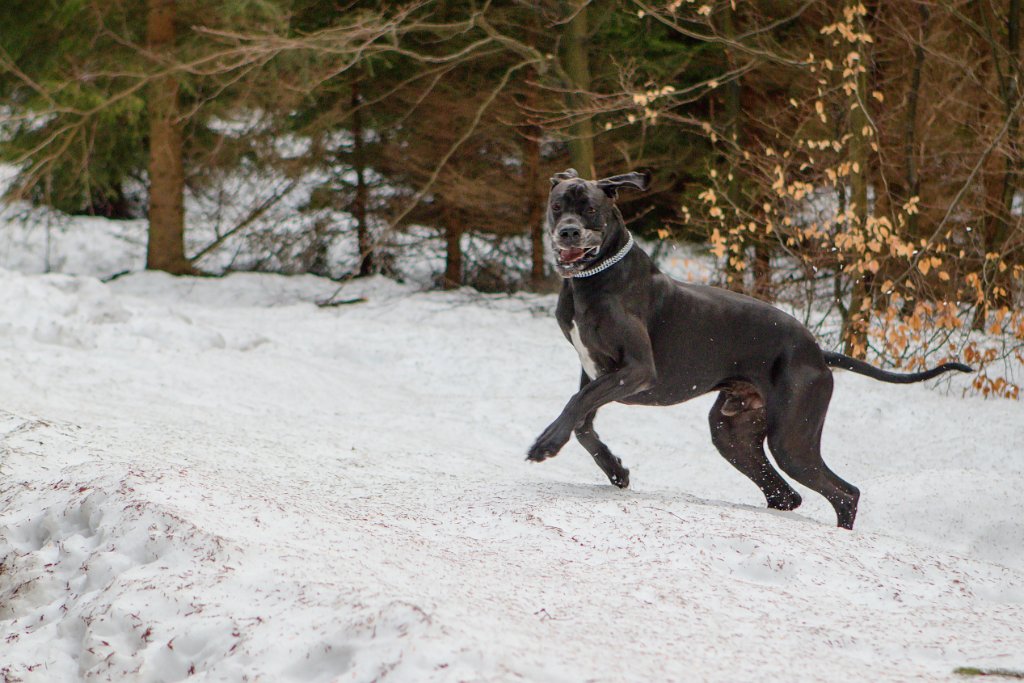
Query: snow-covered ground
214	477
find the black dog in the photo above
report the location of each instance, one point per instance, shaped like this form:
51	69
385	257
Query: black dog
646	339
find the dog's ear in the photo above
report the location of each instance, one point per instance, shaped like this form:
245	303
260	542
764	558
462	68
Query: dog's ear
638	180
567	174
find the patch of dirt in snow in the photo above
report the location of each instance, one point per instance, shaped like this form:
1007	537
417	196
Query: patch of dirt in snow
340	494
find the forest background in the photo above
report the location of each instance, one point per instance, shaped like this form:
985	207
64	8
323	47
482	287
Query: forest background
859	161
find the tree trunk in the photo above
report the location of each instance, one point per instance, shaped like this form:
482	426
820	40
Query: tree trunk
166	248
733	274
453	251
1010	96
367	261
763	272
535	188
999	196
535	203
999	221
855	332
910	125
577	66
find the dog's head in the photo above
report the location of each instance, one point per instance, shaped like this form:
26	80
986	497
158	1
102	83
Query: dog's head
582	219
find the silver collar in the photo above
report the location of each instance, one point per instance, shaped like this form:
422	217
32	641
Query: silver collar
600	268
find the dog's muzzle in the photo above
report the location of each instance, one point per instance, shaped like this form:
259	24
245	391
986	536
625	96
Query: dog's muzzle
572	253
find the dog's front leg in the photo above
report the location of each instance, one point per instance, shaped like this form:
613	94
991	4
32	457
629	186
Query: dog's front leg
636	374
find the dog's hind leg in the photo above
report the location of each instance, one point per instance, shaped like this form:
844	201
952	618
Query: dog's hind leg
738	428
796	416
609	463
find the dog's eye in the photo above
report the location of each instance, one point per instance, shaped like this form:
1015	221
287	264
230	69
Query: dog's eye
591	211
556	207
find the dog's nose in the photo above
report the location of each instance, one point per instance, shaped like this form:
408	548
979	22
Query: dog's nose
569	233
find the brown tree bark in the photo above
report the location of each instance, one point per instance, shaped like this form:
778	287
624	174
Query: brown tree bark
763	272
999	192
453	250
577	65
910	124
1010	88
535	188
855	331
166	248
535	203
733	274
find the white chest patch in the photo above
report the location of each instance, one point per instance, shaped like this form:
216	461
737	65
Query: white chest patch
589	366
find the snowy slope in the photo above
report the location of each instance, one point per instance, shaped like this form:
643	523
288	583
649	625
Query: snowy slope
214	477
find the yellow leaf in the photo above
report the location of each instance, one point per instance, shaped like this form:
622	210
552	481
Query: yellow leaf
924	266
878	96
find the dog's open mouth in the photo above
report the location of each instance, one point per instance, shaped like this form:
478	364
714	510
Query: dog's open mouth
575	255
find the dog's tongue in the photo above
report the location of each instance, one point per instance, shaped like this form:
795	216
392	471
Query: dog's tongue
571	255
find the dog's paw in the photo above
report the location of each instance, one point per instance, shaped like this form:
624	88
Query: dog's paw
620	478
784	500
547	445
539	454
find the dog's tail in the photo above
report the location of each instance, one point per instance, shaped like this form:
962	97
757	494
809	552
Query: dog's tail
838	360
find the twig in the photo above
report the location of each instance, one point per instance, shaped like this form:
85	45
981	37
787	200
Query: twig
249	220
341	302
